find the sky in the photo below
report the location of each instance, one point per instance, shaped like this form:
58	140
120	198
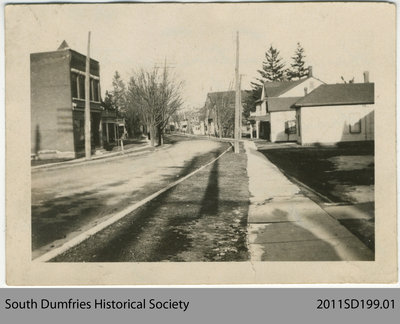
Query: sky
198	40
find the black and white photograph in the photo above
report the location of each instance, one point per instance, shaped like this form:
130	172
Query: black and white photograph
230	139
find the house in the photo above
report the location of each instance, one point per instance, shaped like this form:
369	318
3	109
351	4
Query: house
219	118
58	102
335	113
112	126
195	123
275	115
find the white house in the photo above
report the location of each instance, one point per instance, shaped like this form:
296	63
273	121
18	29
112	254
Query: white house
335	113
275	114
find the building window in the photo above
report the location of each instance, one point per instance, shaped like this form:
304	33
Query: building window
355	128
91	89
74	85
298	123
96	92
354	124
81	80
78	87
290	127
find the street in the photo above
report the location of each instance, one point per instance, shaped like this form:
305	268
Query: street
191	200
68	201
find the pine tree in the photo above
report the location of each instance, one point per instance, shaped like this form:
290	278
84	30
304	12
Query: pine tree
297	70
273	69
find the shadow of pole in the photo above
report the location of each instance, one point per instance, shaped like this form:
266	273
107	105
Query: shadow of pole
37	140
122	241
210	201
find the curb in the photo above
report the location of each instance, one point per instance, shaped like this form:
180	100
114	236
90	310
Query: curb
110	156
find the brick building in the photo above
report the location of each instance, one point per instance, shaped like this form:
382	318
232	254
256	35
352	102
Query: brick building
58	103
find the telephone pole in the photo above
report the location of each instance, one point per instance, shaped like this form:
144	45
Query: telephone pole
240	107
88	148
237	99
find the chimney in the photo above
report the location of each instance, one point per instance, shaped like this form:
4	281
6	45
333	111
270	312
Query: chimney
310	74
366	77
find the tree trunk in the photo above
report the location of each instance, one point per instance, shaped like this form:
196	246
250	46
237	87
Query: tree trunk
152	135
159	133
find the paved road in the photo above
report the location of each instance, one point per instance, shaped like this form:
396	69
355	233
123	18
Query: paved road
69	200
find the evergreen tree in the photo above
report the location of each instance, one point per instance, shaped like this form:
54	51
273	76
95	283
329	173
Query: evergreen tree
273	69
118	93
249	102
108	101
297	70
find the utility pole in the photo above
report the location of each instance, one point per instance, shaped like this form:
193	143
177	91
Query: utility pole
88	148
240	107
237	99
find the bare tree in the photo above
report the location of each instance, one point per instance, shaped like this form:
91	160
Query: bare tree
177	118
156	96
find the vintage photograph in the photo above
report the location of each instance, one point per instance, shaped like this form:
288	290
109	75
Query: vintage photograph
202	133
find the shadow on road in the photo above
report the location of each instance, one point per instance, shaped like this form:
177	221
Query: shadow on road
134	238
186	223
56	214
53	219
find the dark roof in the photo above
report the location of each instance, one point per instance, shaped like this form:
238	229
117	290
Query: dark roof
281	104
339	94
225	96
276	88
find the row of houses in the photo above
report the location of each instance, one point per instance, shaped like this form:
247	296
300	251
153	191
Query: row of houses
58	103
306	111
309	111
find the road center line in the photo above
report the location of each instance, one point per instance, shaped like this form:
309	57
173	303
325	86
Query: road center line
117	216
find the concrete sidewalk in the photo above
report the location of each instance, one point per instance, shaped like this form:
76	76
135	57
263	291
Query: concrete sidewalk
285	225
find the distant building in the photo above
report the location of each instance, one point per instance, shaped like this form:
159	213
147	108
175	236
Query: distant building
58	102
219	117
112	126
